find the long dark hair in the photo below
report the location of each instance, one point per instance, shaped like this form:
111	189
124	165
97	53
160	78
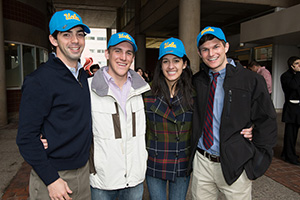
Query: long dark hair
183	86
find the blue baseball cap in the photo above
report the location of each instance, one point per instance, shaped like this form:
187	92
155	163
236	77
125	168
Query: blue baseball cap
172	46
121	37
65	20
211	30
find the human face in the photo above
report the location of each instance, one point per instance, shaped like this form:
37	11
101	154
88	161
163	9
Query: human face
213	54
254	68
296	66
120	58
140	72
69	45
94	70
172	67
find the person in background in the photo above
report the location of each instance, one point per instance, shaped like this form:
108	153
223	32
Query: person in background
228	99
119	124
140	71
56	104
290	82
94	68
256	67
147	76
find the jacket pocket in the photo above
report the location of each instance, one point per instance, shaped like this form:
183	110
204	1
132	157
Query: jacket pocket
106	120
237	152
138	116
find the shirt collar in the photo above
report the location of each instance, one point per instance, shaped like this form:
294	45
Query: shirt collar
221	72
108	78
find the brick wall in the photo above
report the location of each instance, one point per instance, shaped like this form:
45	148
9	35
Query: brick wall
21	12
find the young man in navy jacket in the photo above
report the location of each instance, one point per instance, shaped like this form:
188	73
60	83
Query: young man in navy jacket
55	105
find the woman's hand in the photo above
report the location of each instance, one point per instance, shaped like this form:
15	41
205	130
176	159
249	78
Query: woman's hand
247	132
44	141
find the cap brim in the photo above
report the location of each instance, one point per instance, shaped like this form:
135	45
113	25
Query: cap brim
72	25
178	54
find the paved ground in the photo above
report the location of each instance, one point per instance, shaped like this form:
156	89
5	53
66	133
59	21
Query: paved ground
281	181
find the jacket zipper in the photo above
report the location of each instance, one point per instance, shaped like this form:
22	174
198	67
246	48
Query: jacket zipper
229	102
78	78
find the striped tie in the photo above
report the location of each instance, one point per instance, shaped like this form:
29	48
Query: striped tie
208	137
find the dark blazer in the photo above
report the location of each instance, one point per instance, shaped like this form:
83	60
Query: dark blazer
246	102
290	82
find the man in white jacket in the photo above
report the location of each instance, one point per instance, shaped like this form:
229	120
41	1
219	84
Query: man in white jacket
118	117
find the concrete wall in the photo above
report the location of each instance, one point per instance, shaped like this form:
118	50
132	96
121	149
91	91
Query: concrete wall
272	25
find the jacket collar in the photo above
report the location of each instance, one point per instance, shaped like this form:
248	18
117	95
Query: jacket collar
100	86
230	69
161	108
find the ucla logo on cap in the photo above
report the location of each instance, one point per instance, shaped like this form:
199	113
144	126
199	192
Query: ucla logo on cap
65	20
124	36
172	45
207	30
68	16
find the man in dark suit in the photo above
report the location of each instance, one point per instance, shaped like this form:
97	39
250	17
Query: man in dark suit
290	82
228	99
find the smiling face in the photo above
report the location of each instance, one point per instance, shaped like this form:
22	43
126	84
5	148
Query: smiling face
213	54
69	45
120	59
172	67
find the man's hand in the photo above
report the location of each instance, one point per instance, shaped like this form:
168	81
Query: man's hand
59	190
247	133
296	68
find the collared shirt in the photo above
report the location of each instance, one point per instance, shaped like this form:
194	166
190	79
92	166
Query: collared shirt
217	113
75	71
120	94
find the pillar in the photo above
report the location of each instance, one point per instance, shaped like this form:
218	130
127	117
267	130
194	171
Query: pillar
3	102
108	35
189	28
140	59
140	38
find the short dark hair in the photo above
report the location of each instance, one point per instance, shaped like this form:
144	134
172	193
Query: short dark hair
54	35
253	63
208	37
94	66
291	60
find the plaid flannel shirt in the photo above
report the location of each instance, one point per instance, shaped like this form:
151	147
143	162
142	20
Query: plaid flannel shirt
168	137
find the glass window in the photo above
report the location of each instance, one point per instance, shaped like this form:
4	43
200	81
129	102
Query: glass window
28	60
90	38
92	50
101	38
21	60
41	56
13	64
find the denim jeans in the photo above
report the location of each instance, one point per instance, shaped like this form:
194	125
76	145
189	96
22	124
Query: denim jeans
132	193
158	188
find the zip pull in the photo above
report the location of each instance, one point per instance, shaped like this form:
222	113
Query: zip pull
230	95
78	78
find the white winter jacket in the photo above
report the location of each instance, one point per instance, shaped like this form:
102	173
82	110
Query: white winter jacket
120	155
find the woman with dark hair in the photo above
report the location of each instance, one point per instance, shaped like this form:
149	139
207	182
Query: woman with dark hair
169	115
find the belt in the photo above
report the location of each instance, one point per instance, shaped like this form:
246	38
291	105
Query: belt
210	157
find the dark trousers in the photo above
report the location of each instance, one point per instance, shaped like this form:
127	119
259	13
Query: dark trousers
290	139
